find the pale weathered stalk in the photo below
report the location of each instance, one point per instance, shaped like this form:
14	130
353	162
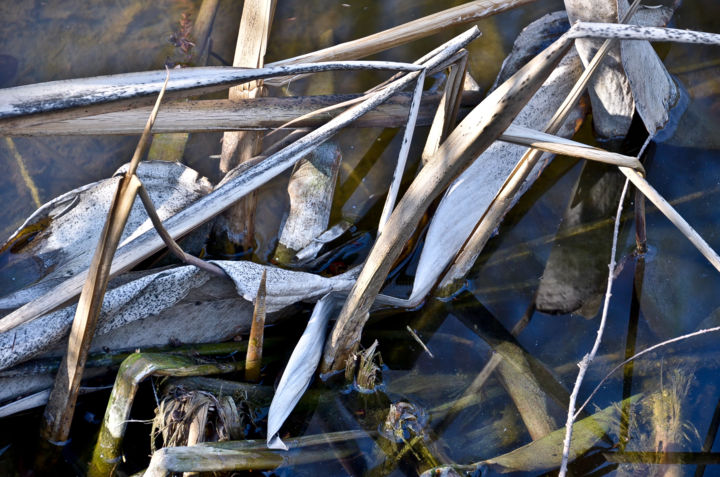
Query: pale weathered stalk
241	146
212	115
311	189
405	33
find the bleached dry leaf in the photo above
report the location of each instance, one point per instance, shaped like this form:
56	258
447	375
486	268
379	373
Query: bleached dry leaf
299	370
453	221
182	304
609	88
311	190
67	228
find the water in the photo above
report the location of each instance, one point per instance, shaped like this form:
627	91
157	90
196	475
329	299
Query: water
675	294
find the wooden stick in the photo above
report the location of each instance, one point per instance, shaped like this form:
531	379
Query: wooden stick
246	114
61	404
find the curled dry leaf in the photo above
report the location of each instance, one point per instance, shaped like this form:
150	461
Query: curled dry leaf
59	238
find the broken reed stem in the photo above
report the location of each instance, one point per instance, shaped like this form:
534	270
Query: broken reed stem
241	146
585	363
253	360
407	32
640	222
58	414
560	145
133	370
508	193
674	217
403	154
171	244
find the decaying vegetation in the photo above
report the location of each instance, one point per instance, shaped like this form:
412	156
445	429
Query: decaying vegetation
82	316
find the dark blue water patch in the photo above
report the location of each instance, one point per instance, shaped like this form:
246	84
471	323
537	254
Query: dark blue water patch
8	70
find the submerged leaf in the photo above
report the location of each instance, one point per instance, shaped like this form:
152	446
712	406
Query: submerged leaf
546	453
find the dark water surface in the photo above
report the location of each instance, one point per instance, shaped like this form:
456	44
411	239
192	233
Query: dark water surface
676	294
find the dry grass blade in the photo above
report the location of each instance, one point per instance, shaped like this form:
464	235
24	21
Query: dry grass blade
61	405
414	30
447	110
476	132
402	156
253	359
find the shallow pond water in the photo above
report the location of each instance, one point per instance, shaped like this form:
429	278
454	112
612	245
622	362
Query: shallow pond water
673	293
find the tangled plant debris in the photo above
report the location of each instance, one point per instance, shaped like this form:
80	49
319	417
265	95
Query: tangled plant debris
444	199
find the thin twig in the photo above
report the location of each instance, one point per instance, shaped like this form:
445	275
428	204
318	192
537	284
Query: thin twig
589	357
420	342
641	353
171	244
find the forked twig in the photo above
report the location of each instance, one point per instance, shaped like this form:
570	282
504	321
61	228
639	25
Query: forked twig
641	353
171	244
